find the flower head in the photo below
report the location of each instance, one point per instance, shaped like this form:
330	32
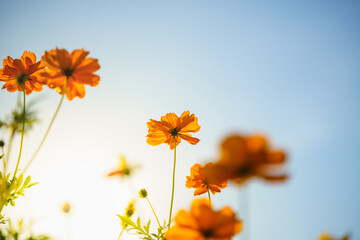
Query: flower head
171	127
245	157
66	207
22	74
327	236
143	193
203	223
124	169
198	179
74	68
130	209
18	117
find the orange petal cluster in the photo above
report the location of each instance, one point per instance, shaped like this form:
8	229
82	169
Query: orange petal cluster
203	223
171	129
198	179
75	68
20	74
245	157
124	169
327	236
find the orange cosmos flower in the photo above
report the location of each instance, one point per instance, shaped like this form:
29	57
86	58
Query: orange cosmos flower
124	169
20	74
203	223
66	207
75	68
198	179
172	127
327	236
245	157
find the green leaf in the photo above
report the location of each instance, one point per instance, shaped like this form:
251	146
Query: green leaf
128	221
138	222
19	180
12	186
147	227
32	184
27	181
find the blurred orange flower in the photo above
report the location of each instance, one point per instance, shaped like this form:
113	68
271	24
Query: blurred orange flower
199	180
66	207
75	67
172	127
245	157
124	169
327	236
22	73
202	223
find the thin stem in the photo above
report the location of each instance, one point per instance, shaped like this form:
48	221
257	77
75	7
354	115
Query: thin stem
209	196
2	153
7	156
173	184
22	135
69	231
153	211
245	208
122	230
248	206
48	129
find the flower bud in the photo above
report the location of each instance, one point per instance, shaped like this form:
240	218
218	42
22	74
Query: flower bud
143	193
66	207
130	209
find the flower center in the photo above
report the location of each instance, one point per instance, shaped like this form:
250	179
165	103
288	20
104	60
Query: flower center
207	233
245	170
21	79
68	72
174	132
127	171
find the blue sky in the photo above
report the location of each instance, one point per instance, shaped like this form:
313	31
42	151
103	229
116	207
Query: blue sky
289	69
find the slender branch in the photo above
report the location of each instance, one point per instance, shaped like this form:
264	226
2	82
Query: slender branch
48	129
245	206
7	156
209	196
153	212
22	135
173	184
122	230
2	153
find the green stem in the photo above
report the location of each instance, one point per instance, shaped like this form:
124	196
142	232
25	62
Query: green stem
48	129
4	183
122	230
7	156
173	184
209	196
153	212
22	136
4	163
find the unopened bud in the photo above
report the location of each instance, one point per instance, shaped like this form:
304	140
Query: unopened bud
143	193
130	209
66	207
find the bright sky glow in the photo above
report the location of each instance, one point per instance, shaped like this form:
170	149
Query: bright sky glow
284	68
